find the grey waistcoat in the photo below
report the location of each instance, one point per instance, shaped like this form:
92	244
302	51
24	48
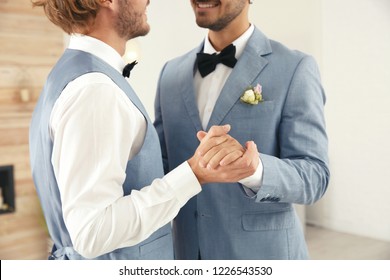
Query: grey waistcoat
140	171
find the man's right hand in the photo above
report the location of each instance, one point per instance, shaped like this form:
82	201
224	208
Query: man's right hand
221	158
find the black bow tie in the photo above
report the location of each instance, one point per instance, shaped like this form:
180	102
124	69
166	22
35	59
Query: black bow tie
208	62
128	68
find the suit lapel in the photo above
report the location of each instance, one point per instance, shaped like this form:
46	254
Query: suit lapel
185	74
248	67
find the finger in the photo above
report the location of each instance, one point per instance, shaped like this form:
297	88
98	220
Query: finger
252	149
250	145
250	157
217	130
214	131
214	162
232	157
216	154
200	135
208	143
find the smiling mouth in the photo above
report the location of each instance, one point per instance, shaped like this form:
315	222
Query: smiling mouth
206	5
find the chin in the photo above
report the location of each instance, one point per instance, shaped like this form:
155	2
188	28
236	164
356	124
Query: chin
203	23
140	33
146	30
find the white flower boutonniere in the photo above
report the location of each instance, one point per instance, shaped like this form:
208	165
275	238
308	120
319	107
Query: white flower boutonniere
252	95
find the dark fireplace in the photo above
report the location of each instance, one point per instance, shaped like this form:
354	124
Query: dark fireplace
7	193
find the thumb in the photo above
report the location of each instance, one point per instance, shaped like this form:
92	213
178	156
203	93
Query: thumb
218	130
201	134
251	146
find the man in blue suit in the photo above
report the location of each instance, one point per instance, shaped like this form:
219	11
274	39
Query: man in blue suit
269	94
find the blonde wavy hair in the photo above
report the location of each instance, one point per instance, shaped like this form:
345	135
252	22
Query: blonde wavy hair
72	16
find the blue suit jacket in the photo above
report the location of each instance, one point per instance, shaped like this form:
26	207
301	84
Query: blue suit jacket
223	222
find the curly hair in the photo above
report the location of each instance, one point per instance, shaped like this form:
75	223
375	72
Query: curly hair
72	16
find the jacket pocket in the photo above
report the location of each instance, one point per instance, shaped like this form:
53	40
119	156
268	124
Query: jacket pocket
256	221
247	111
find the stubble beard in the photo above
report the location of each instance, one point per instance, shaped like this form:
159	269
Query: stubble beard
221	22
130	24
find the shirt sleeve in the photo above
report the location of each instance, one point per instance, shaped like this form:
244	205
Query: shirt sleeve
94	127
252	183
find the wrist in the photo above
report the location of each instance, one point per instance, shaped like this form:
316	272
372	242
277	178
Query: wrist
194	165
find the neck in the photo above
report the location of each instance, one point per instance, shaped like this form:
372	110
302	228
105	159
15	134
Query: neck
111	39
103	29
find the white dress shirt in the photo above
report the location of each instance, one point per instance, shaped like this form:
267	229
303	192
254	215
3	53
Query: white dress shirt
207	91
95	130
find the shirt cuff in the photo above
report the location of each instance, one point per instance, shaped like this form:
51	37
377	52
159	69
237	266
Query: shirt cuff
253	182
183	182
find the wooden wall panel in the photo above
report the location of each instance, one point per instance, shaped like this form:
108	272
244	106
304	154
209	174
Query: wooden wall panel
19	77
18	7
11	96
29	47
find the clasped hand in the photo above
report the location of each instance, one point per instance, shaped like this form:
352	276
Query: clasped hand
221	158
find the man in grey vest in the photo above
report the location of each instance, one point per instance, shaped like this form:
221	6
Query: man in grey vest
95	155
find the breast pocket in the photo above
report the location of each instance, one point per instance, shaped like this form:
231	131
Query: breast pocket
253	122
252	112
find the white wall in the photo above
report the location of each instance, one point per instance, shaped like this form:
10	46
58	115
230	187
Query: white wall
173	32
356	75
294	23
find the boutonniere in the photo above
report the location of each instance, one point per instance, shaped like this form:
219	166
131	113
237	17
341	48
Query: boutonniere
252	95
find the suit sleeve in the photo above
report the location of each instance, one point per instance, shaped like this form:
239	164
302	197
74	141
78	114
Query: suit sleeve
300	175
158	124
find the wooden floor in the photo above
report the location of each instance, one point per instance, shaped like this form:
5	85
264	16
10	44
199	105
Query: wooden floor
331	245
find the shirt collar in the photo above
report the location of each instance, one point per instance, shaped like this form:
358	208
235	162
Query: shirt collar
240	42
98	48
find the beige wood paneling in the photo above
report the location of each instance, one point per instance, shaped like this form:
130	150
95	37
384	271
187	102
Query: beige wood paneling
18	7
10	96
23	76
29	47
